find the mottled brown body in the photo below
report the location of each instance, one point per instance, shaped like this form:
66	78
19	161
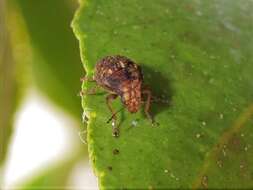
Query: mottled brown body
123	77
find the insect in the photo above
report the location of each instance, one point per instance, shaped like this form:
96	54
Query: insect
121	77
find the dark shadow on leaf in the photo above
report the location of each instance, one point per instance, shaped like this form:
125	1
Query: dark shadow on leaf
160	87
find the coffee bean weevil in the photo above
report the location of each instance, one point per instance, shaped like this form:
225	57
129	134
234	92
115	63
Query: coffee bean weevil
122	77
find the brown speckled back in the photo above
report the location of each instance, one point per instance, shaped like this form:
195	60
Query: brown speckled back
123	77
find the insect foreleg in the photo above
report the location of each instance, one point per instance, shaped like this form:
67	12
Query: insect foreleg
109	99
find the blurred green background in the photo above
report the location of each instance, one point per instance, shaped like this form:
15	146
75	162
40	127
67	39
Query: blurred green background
40	62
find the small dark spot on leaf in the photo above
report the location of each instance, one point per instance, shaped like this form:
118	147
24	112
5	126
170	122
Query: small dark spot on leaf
115	151
109	168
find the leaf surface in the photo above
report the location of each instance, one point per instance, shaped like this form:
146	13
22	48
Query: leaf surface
198	56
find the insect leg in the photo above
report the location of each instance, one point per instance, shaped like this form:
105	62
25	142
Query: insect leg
109	99
91	91
147	105
157	99
85	78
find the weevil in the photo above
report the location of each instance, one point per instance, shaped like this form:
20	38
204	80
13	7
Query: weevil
121	77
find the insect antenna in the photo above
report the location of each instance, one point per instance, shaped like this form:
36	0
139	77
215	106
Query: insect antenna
114	114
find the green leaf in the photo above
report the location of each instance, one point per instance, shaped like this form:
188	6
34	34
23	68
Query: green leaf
198	55
56	67
8	85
